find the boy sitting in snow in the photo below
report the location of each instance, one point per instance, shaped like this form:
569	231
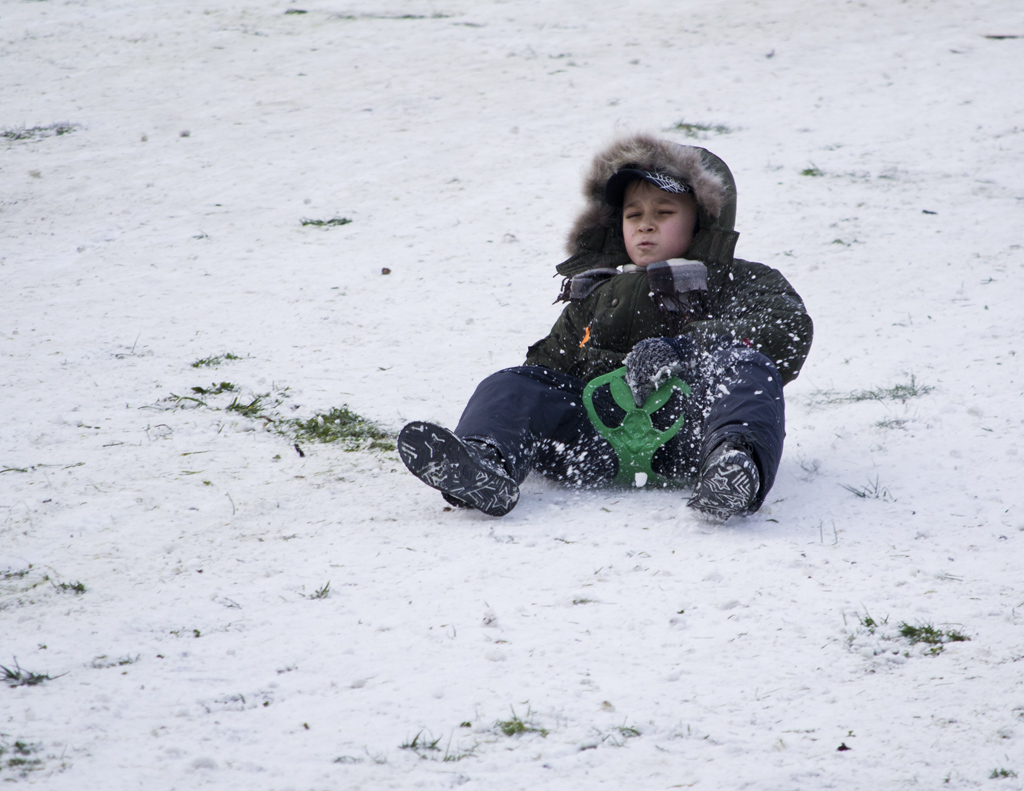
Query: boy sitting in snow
652	285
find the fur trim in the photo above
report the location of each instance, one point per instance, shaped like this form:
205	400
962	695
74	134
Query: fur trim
646	152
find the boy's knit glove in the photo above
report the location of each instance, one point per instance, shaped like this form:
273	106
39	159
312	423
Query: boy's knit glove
654	361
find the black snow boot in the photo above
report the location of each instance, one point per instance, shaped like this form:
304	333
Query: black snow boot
728	483
469	473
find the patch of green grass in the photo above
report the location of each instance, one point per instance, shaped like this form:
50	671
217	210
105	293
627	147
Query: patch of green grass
891	423
929	635
417	745
619	735
582	601
181	400
331	223
19	677
215	389
813	171
699	130
870	623
77	588
211	362
23	581
422	746
435	15
38	132
321	593
999	774
251	409
517	726
337	425
871	491
17	757
102	662
614	737
255	406
343	426
898	392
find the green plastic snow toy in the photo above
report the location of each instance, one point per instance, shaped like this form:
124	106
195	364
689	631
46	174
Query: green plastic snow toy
636	440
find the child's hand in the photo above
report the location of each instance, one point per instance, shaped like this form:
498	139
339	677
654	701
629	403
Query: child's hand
654	361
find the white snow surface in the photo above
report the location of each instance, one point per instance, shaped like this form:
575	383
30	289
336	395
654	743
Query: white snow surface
639	646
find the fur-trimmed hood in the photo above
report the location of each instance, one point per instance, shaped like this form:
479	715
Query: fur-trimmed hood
596	237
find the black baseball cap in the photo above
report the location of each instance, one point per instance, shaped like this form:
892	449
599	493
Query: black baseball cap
615	187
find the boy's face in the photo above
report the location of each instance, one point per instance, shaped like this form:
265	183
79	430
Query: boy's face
656	225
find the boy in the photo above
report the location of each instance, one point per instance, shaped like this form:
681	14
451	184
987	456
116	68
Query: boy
651	284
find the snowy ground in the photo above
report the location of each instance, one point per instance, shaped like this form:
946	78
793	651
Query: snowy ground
879	153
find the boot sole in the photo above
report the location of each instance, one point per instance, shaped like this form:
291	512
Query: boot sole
440	459
727	487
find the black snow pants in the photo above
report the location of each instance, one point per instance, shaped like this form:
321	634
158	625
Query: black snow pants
535	416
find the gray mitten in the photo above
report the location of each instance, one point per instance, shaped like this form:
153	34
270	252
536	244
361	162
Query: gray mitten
654	361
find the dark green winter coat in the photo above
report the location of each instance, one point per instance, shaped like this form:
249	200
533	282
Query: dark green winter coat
746	302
